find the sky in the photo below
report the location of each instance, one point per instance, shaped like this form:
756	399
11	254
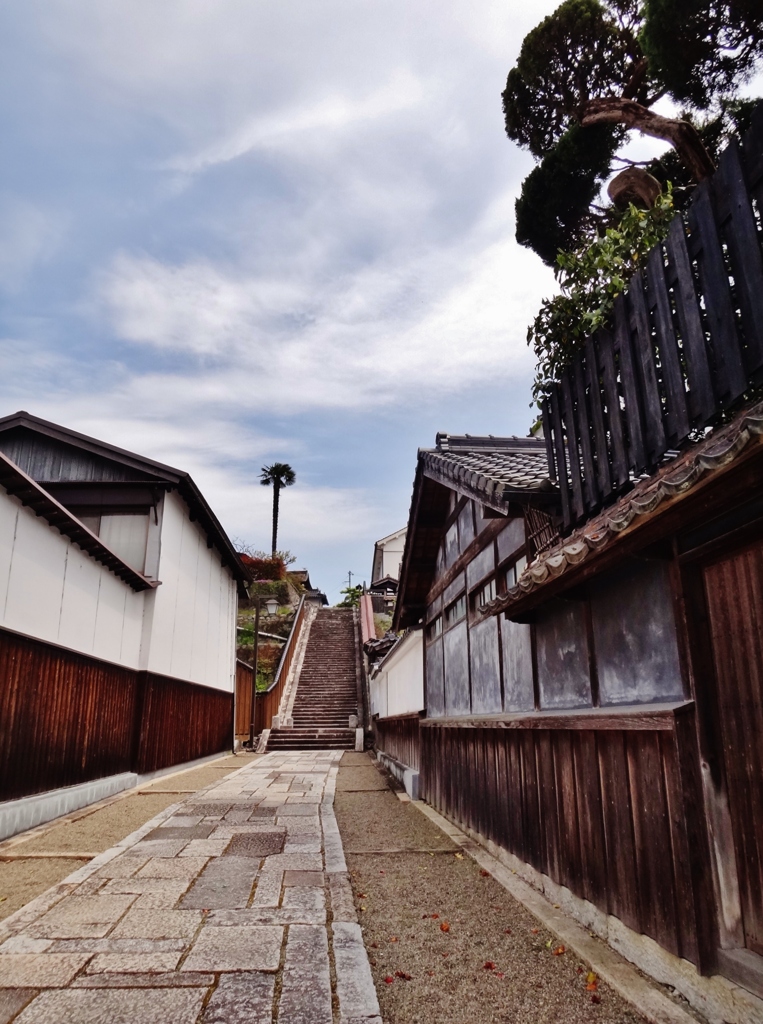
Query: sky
234	232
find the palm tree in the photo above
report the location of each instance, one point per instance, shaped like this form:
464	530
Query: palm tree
280	474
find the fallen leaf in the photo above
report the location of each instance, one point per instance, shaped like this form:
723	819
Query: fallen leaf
500	974
403	975
361	895
592	986
549	944
590	977
488	966
435	916
485	874
389	979
595	998
458	856
382	872
507	931
559	950
535	930
374	945
393	938
362	908
556	906
444	927
445	954
431	974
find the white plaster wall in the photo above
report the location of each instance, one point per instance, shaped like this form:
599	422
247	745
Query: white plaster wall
392	556
52	590
398	688
190	623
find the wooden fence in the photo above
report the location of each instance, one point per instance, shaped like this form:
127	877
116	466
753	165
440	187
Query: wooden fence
399	737
66	718
687	343
602	812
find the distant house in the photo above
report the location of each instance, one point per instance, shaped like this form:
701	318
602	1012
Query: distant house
118	597
388	557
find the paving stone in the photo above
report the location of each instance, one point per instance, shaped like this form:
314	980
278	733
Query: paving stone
304	878
40	970
81	917
172	867
162	899
227	829
173	979
305	899
306	984
294	862
297	810
354	983
265	915
263	812
183	820
133	963
226	882
210	810
12	1000
204	848
111	945
241	999
90	886
238	814
169	832
116	1006
25	944
140	886
255	844
124	866
268	892
159	847
236	948
158	924
342	902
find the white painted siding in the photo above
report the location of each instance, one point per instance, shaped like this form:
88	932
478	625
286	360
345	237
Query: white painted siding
52	590
397	688
191	633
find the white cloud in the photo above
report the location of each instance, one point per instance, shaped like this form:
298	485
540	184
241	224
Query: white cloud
29	236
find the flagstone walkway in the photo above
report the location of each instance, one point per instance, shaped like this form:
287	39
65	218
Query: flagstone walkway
232	906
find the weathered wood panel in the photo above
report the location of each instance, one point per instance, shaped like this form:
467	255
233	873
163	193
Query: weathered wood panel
601	813
65	718
399	737
734	593
244	676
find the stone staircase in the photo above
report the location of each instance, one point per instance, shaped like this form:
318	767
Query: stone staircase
326	692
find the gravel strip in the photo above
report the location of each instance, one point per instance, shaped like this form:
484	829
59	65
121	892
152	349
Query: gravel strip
454	943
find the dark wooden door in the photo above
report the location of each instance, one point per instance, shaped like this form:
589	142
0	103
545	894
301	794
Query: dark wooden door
734	593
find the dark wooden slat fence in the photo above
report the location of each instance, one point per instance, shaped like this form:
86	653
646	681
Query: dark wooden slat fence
686	344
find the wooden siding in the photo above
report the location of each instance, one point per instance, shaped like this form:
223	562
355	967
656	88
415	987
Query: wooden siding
68	718
636	392
244	675
399	737
599	812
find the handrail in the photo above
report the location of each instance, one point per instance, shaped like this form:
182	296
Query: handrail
267	703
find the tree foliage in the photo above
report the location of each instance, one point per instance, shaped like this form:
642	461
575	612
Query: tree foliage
594	69
279	475
352	596
590	279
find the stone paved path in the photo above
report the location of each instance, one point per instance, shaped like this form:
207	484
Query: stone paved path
232	906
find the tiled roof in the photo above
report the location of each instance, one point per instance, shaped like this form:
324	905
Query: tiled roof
674	480
494	470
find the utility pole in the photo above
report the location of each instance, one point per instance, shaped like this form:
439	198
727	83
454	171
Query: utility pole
350	574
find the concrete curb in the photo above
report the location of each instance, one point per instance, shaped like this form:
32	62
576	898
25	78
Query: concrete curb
655	1006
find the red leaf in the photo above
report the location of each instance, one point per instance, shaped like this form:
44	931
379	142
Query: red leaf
393	938
559	950
435	916
596	998
535	930
444	927
507	931
488	965
403	975
389	979
499	974
485	874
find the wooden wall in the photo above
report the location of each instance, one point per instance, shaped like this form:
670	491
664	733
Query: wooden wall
599	811
66	718
399	737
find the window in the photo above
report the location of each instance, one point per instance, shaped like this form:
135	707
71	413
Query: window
434	629
514	571
455	611
485	594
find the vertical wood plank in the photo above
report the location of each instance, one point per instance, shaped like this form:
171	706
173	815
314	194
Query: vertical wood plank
705	247
632	410
584	432
698	372
605	343
596	396
624	898
561	456
572	446
676	411
651	403
548	436
593	861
